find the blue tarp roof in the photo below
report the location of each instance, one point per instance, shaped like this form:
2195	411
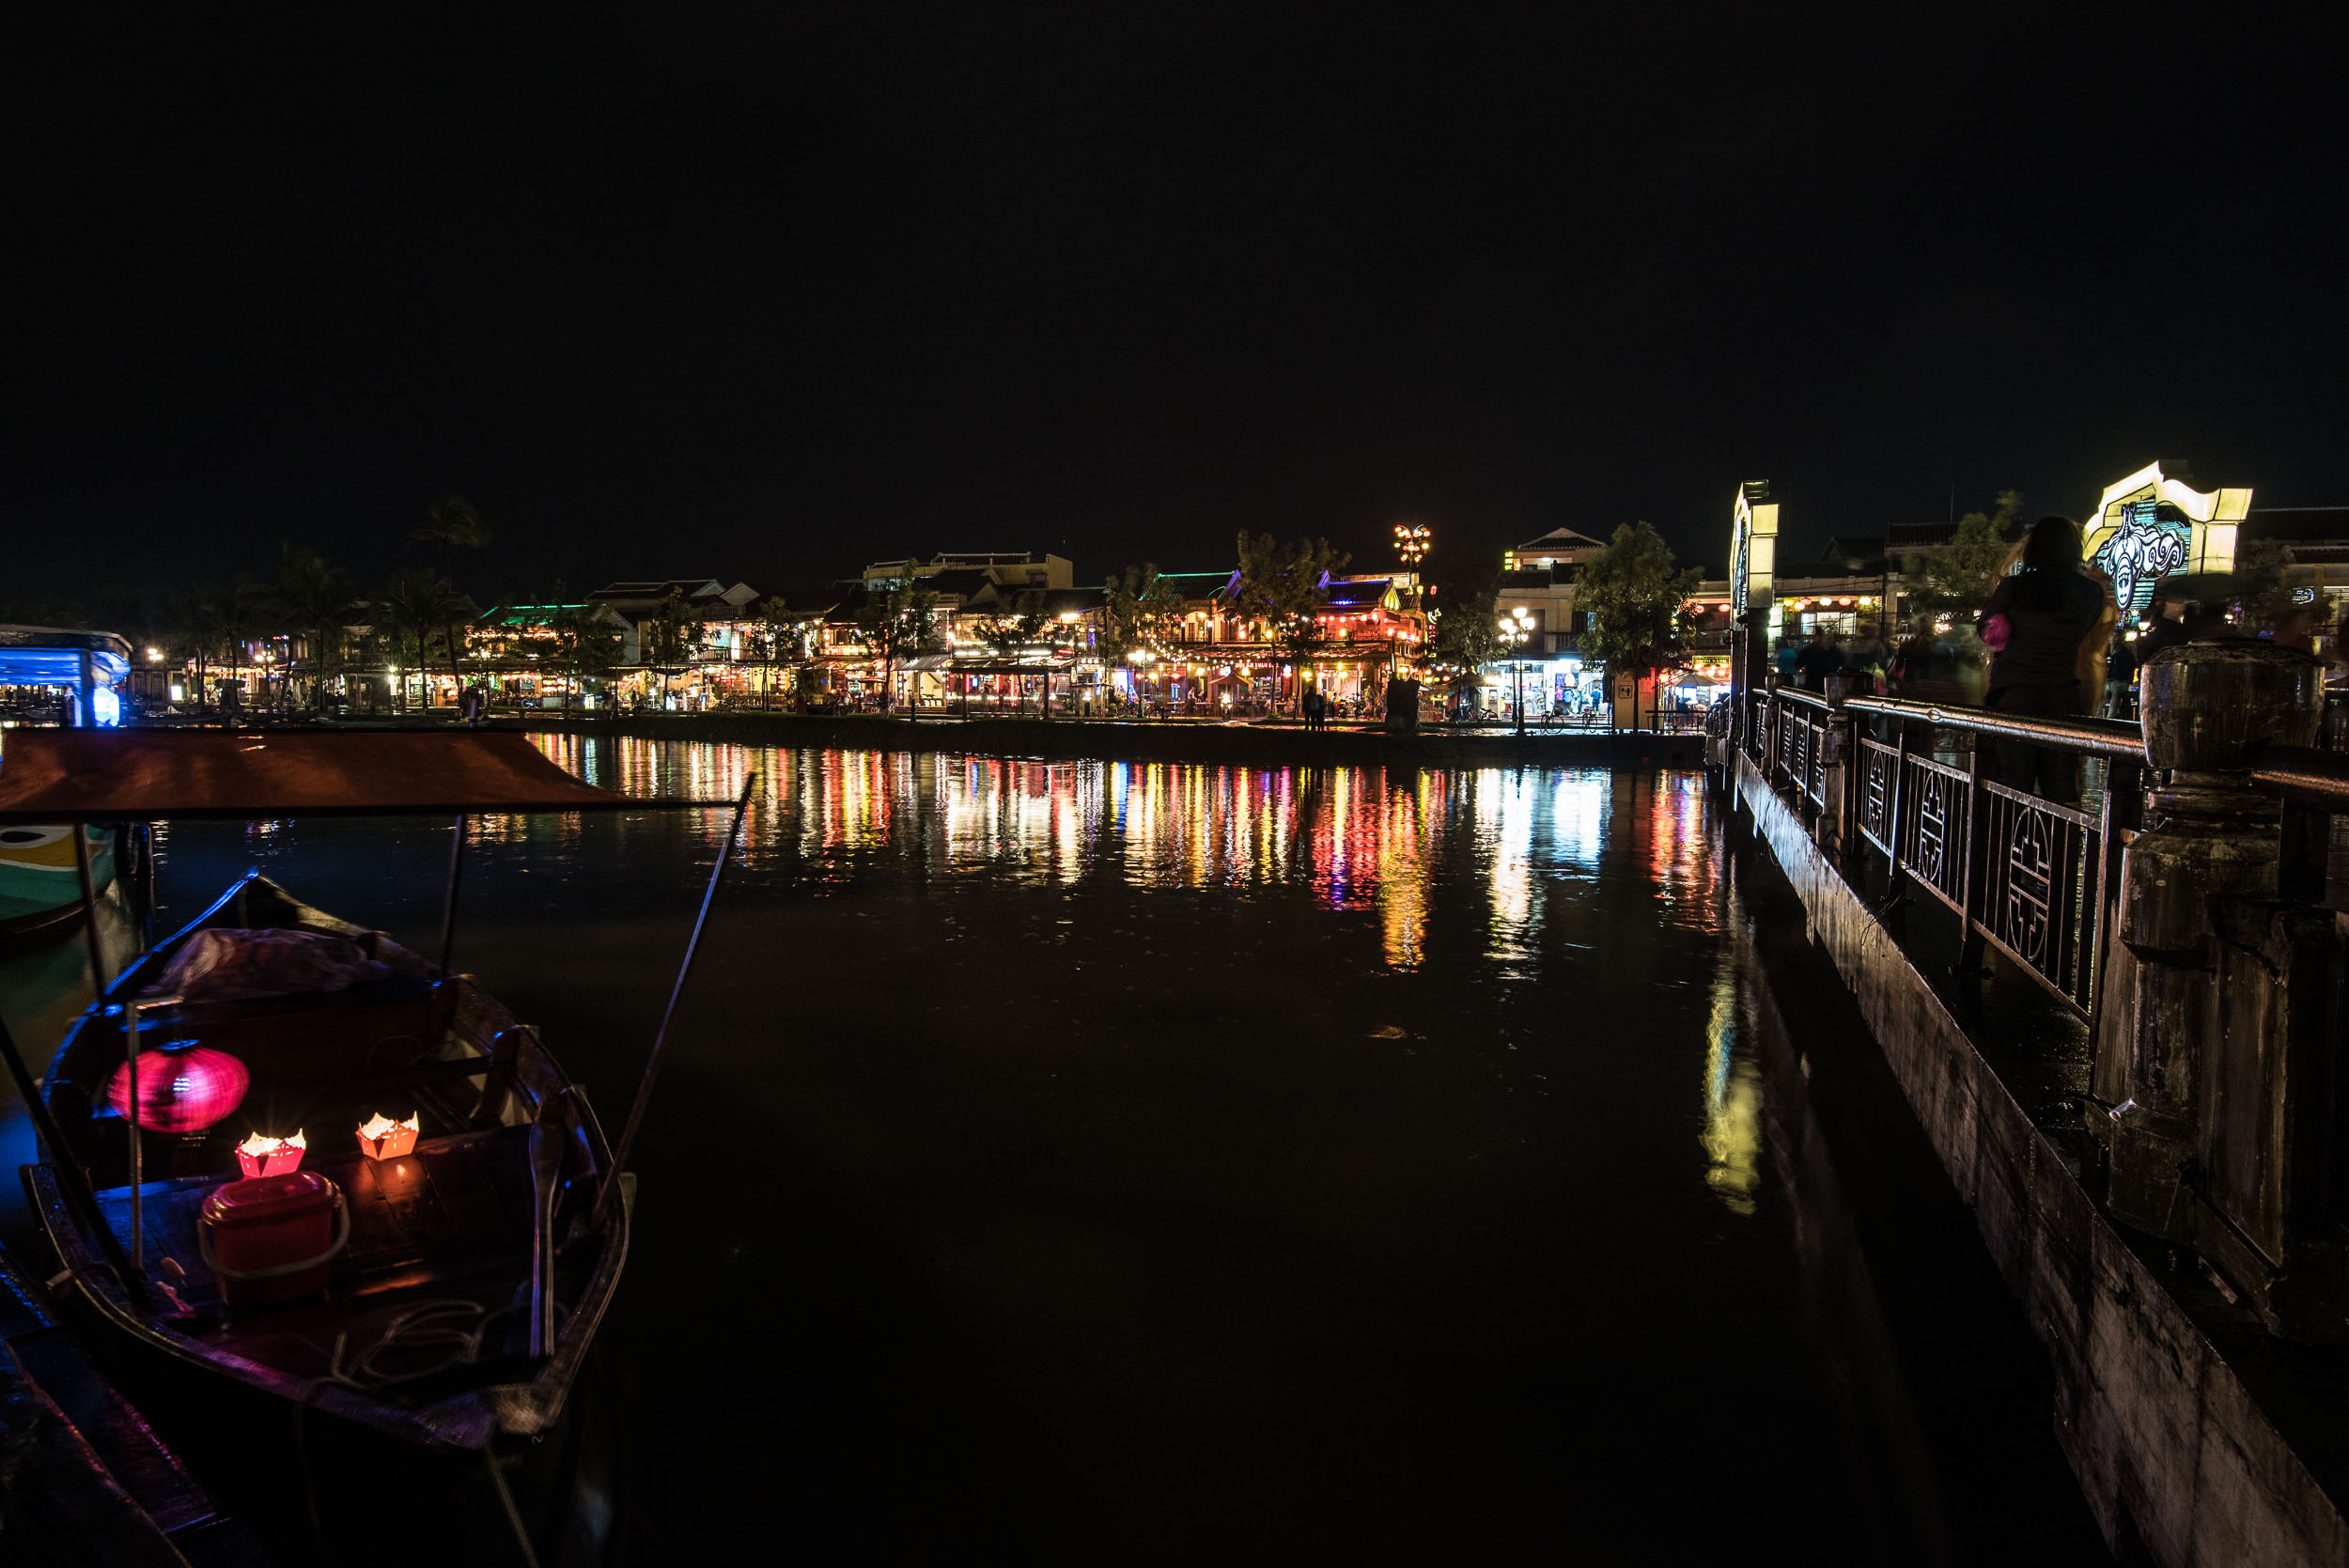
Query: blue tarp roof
52	656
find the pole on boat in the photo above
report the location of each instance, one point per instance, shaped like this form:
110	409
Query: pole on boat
81	831
652	1066
147	885
448	908
131	1122
71	1176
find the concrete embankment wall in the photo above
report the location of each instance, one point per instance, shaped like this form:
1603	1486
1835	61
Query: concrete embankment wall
2168	1445
1252	745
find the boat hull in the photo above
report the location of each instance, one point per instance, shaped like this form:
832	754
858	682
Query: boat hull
41	887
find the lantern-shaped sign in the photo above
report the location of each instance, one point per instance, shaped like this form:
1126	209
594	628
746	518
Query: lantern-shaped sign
181	1088
380	1138
263	1155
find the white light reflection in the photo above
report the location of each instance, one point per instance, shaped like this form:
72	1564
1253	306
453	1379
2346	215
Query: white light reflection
1732	1098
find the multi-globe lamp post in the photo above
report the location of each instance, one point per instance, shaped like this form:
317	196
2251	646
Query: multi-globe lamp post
1412	542
1516	627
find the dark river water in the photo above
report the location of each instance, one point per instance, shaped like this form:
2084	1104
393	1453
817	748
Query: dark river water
1093	1161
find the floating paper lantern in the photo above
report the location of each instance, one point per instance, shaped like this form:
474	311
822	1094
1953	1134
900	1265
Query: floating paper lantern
181	1090
380	1138
263	1155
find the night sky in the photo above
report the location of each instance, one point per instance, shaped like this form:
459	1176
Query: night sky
769	296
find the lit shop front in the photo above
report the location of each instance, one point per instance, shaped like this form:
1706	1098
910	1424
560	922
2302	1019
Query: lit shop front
981	684
1194	686
1802	617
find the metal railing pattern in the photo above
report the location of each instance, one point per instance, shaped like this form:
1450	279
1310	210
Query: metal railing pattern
1933	841
2031	908
2033	878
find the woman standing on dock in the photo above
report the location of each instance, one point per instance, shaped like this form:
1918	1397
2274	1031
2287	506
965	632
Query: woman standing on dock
2039	625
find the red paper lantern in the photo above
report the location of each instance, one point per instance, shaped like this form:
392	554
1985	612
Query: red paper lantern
180	1091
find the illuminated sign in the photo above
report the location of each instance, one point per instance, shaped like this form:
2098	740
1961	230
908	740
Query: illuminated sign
1752	548
2150	526
2150	543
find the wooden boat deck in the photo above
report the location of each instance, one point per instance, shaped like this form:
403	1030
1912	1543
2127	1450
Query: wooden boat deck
450	1222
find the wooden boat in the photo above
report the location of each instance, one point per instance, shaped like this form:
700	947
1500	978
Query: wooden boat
474	1275
88	1478
40	881
471	1272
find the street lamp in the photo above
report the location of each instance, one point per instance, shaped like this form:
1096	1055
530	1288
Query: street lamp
1410	543
1515	626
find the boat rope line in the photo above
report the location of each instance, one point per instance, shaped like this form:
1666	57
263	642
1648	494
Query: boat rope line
437	1323
652	1064
513	1514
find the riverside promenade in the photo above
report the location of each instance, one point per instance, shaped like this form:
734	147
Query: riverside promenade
1247	744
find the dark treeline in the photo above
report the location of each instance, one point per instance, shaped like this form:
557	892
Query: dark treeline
308	609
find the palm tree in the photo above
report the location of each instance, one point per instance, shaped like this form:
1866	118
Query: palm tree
587	644
315	599
417	602
198	612
452	523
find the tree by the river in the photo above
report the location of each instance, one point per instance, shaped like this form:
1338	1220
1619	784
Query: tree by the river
417	604
1285	586
1140	612
452	523
314	598
1466	634
899	619
672	631
1636	593
1956	577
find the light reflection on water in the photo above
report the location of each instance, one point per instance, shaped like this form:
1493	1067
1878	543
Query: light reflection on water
1732	1097
1359	839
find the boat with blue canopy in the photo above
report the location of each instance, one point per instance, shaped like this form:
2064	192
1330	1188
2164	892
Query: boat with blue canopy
51	675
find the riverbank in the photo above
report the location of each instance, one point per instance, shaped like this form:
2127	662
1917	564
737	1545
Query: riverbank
1252	745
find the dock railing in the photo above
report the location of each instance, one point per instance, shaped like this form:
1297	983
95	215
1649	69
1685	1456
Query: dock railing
2217	1029
1910	784
2313	785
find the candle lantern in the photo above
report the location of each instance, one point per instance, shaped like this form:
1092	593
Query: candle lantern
380	1138
181	1088
263	1155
